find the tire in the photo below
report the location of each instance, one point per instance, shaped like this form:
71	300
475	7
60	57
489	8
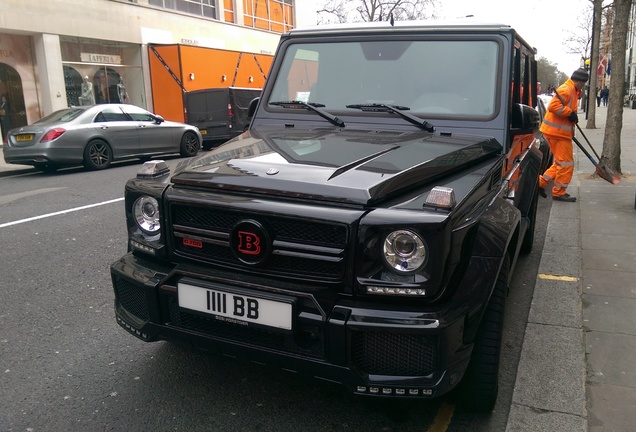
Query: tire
97	155
480	385
190	144
528	237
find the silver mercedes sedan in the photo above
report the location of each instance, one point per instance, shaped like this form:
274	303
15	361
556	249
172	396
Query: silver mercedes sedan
97	135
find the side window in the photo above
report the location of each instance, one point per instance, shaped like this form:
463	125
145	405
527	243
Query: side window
111	114
140	115
524	76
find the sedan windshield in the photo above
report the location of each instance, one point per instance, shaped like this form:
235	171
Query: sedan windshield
431	77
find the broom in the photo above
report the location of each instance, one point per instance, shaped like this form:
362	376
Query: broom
603	172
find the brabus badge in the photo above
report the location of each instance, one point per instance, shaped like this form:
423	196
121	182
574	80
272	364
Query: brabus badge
272	171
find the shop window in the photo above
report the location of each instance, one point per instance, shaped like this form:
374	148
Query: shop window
272	15
206	8
73	83
13	114
106	83
101	72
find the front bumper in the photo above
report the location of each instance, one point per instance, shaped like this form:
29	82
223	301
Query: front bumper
370	348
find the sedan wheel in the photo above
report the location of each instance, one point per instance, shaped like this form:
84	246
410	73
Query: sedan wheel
190	144
97	155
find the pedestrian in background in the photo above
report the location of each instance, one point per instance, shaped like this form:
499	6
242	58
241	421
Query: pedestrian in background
5	119
558	128
598	97
605	95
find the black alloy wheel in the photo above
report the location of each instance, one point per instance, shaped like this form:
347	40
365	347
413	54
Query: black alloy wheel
97	155
190	144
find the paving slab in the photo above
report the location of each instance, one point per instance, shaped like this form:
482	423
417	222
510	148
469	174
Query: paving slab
610	315
610	358
551	374
611	408
610	283
527	419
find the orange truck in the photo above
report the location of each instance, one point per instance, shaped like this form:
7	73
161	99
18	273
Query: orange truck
177	69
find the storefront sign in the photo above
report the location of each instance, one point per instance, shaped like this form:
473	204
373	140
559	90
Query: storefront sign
100	58
189	41
6	53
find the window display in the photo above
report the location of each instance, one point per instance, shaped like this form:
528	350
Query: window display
101	72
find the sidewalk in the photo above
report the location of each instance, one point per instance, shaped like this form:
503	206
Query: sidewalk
576	371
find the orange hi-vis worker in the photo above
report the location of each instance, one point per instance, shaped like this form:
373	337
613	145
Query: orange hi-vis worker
558	128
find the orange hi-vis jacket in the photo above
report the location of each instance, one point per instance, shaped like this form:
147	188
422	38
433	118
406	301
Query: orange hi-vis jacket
556	121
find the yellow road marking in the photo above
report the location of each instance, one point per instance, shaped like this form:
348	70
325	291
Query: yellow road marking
443	418
559	278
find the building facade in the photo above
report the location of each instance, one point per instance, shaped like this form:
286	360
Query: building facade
60	53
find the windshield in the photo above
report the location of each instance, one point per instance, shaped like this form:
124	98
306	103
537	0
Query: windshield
432	78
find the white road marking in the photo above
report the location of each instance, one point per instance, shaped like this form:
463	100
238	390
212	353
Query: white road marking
4	225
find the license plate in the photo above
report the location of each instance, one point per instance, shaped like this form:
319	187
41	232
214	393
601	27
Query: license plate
235	308
203	131
24	137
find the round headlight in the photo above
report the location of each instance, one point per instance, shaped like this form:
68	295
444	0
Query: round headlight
404	251
146	214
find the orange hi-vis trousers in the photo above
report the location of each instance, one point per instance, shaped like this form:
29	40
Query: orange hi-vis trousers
560	172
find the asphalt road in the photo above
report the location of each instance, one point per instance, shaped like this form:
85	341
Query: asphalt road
65	365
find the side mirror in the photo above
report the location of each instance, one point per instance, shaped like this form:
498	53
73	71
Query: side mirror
252	109
159	119
524	118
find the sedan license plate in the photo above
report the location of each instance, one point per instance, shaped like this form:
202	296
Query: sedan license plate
24	137
203	131
236	308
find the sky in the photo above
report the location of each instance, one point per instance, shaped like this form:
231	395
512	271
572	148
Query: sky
544	24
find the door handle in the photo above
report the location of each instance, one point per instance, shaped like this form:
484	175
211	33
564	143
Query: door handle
104	127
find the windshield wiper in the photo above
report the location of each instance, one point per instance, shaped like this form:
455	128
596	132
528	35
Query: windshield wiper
311	106
396	109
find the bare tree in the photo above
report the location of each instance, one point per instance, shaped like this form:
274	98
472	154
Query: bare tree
596	42
373	10
332	11
580	41
611	155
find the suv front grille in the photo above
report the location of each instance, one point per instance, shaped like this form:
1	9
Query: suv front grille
301	248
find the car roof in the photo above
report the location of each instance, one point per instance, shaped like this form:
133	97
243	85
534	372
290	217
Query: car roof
379	26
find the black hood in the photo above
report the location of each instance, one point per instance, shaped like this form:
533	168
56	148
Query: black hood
351	166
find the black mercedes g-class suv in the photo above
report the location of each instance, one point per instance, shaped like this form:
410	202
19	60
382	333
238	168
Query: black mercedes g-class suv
365	228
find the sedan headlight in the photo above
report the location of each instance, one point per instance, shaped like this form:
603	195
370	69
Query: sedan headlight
146	214
404	251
